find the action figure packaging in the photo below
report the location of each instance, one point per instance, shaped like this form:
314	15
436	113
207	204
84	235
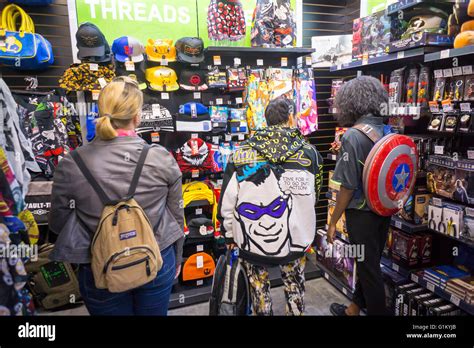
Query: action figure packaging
371	35
344	266
405	248
416	208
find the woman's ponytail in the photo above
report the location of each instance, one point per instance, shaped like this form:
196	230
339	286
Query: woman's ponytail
104	128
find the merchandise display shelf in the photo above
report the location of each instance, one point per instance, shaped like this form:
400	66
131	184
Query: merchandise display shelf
412	55
465	241
233	51
186	296
394	266
443	294
407	4
335	282
406	226
449	53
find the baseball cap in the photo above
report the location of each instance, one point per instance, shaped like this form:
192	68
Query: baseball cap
193	80
190	49
91	42
128	48
198	266
138	74
162	79
157	50
200	227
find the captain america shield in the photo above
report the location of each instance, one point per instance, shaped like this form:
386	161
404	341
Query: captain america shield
390	173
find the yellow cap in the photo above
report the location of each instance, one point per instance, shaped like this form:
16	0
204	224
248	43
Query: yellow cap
162	79
158	50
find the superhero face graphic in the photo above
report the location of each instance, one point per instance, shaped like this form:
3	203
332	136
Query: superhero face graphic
195	152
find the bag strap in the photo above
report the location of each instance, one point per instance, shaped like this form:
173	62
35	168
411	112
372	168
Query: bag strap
10	15
138	171
369	131
90	178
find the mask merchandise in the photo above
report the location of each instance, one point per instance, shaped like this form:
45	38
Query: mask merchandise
160	50
305	100
195	155
236	79
226	20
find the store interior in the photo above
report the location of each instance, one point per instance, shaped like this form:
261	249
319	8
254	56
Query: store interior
421	51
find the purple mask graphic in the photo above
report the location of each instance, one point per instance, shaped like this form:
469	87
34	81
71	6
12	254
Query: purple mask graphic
254	212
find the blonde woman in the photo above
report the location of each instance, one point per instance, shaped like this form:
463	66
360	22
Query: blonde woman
111	159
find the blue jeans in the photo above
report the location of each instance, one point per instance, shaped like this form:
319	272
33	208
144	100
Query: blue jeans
149	299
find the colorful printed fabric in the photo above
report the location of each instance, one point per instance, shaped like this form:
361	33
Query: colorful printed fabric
294	283
273	24
226	20
257	98
11	194
305	99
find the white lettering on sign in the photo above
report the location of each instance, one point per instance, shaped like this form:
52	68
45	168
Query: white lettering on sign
137	11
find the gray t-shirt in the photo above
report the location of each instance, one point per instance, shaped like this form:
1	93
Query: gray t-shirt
355	148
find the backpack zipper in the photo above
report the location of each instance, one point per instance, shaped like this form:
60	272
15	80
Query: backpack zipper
124	251
136	262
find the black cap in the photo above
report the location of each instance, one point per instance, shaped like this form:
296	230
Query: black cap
138	74
92	44
193	80
190	50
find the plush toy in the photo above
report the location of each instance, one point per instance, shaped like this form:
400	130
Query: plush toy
461	24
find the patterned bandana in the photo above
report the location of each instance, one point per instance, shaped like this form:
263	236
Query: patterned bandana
277	143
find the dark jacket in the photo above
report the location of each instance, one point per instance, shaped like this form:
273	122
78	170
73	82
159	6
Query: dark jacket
268	198
112	164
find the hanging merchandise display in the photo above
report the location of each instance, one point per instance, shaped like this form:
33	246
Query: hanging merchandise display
127	48
305	100
92	45
273	24
160	50
257	98
20	47
195	155
190	50
226	20
193	80
162	79
84	77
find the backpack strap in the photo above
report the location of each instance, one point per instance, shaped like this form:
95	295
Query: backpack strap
369	131
138	171
88	175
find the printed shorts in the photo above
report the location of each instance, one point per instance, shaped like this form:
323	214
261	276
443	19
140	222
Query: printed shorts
226	20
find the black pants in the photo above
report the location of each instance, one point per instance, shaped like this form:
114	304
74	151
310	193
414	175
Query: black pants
369	230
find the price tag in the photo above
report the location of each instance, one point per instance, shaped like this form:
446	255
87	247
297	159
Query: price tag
395	267
199	282
198	211
241	136
326	275
215	140
238	100
197	95
455	300
344	291
365	61
467	70
439	150
398	224
438	73
164	61
284	61
260	62
129	65
339	67
194	136
413	110
457	71
309	60
444	54
217	60
200	261
219	101
237	61
470	154
414	277
93	67
199	248
95	95
195	174
155	137
465	107
102	82
156	110
228	137
165	96
220	182
448	72
401	55
430	286
437	202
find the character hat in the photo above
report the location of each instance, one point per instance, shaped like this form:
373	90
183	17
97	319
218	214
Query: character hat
91	42
190	50
162	79
198	266
193	80
158	50
128	48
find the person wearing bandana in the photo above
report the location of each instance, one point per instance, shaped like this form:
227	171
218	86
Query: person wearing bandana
271	185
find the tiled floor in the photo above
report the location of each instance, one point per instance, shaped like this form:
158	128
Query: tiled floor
319	295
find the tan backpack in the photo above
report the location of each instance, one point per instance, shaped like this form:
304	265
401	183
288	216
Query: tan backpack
125	254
